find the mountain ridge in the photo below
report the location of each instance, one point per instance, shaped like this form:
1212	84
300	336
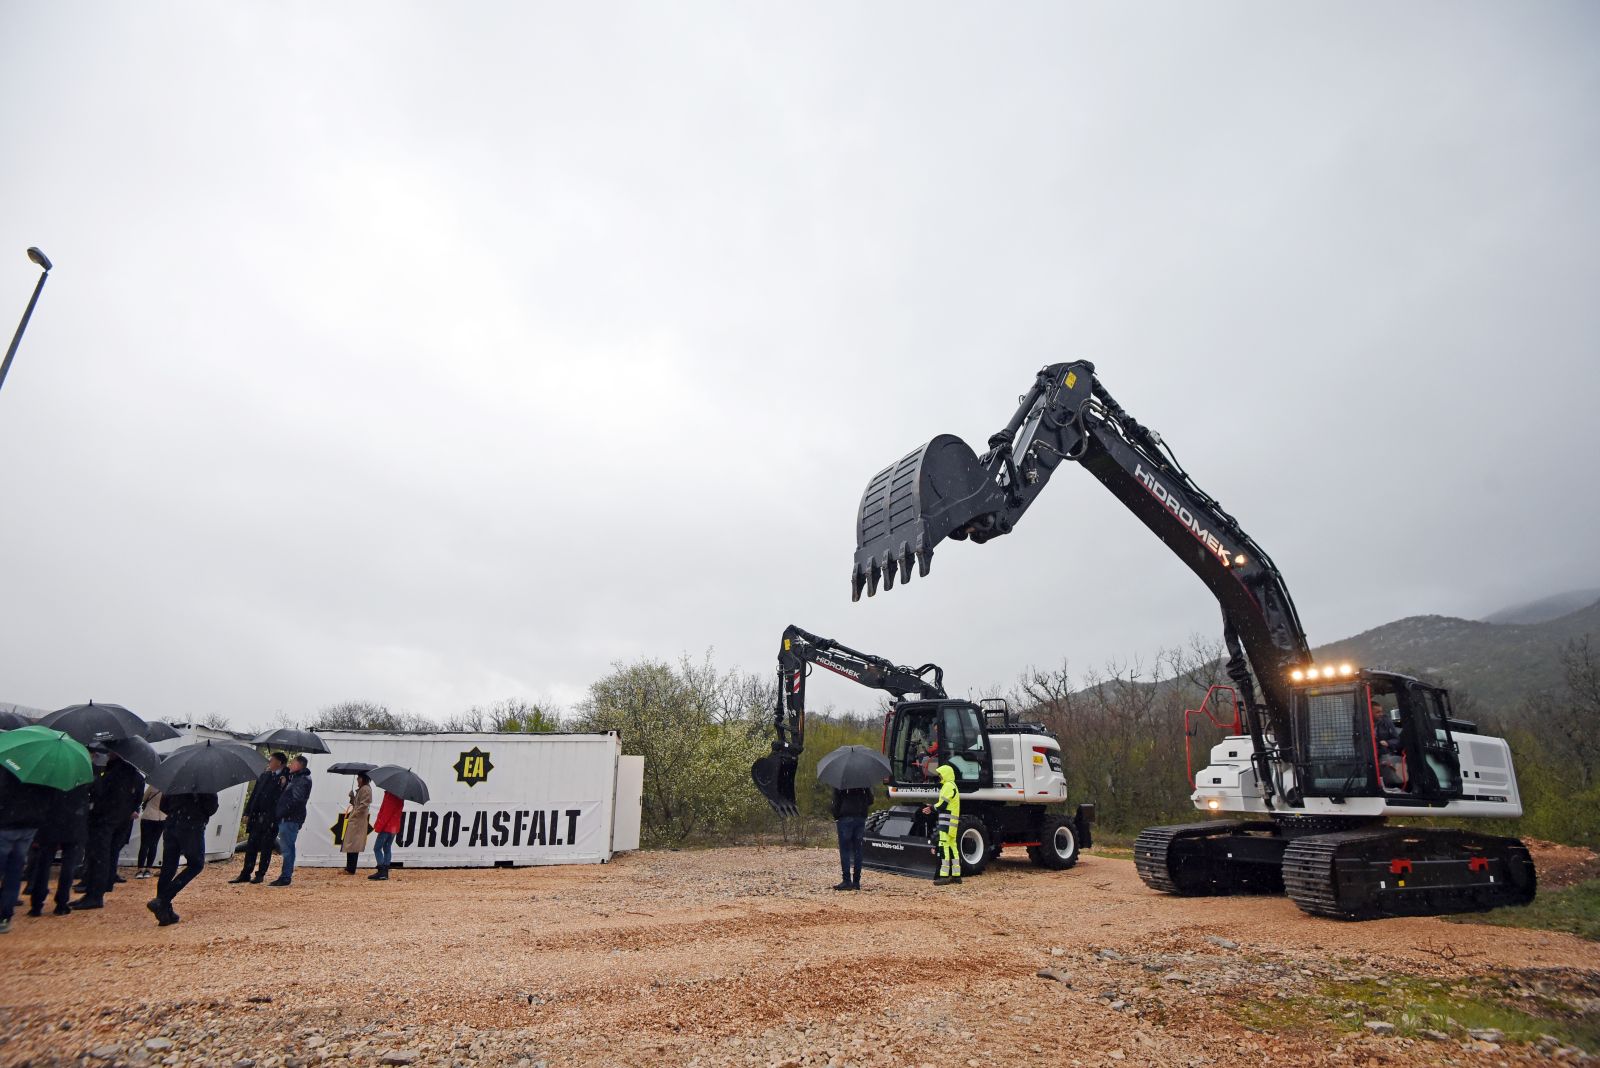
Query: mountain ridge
1498	664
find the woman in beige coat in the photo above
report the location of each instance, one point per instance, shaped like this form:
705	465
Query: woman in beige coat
356	821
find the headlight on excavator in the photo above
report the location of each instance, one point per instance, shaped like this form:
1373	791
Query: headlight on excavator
1213	803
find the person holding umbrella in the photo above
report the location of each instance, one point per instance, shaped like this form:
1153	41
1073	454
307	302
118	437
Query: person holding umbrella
23	807
852	771
261	819
387	825
189	780
112	805
65	829
152	821
399	786
355	822
35	762
292	816
185	836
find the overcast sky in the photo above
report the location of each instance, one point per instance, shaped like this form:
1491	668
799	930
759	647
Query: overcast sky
434	354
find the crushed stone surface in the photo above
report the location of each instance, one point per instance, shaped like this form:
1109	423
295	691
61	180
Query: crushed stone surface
737	956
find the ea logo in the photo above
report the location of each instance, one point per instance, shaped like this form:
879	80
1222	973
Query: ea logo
473	766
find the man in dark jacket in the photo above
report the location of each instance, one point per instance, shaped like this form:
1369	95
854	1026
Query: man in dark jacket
261	820
292	816
23	807
113	801
65	827
850	821
187	815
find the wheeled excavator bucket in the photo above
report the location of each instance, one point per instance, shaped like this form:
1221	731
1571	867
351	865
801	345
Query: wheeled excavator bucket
774	777
937	491
901	840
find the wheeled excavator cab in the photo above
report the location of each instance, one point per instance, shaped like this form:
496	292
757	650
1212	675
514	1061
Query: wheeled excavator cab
921	735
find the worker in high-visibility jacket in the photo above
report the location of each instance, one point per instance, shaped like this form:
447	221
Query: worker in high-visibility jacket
948	806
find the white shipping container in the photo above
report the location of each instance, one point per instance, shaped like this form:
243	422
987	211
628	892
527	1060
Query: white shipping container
496	799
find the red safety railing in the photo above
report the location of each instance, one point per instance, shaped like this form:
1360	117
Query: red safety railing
1208	709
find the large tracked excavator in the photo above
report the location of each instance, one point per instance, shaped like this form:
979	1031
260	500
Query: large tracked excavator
1013	790
1319	758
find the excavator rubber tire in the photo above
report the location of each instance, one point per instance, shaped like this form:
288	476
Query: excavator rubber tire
969	827
1047	854
1212	858
1406	871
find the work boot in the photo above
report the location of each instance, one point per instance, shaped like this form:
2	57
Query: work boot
379	875
259	877
843	886
279	881
243	877
36	909
87	902
61	910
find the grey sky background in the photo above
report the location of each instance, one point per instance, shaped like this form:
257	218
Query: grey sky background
434	354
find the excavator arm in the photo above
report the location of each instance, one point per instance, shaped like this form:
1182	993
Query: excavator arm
774	774
944	489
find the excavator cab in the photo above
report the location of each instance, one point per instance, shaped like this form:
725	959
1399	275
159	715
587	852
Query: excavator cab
1374	734
921	735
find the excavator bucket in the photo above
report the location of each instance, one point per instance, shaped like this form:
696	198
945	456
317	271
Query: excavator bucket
774	777
937	491
900	841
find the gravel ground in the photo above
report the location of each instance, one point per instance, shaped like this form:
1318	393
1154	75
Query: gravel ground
739	956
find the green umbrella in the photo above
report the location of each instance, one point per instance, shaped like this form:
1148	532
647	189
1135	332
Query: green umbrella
45	757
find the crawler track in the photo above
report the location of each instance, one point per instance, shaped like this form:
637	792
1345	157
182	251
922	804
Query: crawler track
1399	871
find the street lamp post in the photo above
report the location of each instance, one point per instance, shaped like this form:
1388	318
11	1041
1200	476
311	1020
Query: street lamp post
44	264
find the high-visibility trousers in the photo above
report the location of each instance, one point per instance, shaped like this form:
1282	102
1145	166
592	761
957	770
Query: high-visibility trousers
949	856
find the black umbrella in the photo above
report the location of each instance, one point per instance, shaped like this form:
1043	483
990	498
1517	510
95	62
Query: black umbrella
403	782
853	767
351	767
207	768
94	723
157	731
137	752
290	738
10	721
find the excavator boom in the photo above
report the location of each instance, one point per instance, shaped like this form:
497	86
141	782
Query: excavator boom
774	773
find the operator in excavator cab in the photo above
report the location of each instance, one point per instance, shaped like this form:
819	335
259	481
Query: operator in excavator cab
1391	754
948	804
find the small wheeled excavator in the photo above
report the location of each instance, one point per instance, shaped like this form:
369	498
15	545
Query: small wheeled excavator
1319	756
1009	773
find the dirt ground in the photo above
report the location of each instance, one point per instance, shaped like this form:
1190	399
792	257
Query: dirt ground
746	956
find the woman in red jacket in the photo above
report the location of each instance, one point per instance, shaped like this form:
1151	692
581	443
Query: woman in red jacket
387	825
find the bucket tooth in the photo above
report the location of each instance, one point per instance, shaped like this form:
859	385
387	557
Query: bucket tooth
924	560
905	564
888	574
858	581
872	580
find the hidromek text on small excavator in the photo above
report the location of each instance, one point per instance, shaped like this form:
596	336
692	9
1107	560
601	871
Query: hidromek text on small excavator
1320	755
